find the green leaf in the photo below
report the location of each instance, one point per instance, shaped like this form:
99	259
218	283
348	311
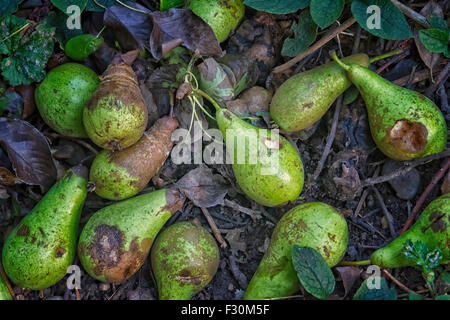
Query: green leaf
439	23
435	40
325	12
381	18
26	65
414	296
381	293
350	95
9	25
277	6
418	252
93	5
313	271
305	33
58	20
169	4
9	7
443	297
63	4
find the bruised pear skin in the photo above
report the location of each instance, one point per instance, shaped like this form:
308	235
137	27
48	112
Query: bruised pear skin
267	168
38	251
116	240
404	124
185	258
222	16
432	227
116	115
122	174
316	225
62	96
303	99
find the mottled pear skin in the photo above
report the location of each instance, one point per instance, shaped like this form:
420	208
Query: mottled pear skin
303	99
116	115
404	124
316	225
222	16
117	239
276	176
185	258
38	251
4	292
432	227
122	174
62	96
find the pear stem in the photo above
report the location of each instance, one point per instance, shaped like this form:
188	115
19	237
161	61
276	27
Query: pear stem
207	97
386	55
338	61
355	263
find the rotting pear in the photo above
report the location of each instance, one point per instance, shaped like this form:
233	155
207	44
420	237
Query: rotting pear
62	96
304	98
266	165
38	251
122	174
432	228
116	240
222	16
316	225
116	115
404	124
185	258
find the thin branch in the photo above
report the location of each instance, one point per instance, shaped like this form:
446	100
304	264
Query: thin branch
410	13
401	285
386	212
439	79
324	40
214	228
330	138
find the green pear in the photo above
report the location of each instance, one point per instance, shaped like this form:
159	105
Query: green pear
4	291
316	225
185	258
404	124
304	98
122	174
116	115
38	251
222	16
432	228
266	165
61	98
116	240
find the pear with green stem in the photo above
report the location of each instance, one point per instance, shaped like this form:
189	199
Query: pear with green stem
39	249
404	124
266	165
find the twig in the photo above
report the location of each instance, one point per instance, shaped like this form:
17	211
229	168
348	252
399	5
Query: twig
330	138
365	193
77	292
80	142
393	60
237	207
386	212
438	176
410	13
325	39
6	281
214	228
401	285
404	295
418	76
439	79
408	165
357	40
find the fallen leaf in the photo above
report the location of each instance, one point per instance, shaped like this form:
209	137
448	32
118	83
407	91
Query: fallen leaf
160	82
7	177
349	275
203	188
29	153
27	93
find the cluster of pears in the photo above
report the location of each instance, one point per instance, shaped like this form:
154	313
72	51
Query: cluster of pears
404	124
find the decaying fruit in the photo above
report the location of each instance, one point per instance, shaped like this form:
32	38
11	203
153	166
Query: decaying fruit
38	251
122	174
267	167
62	96
223	16
116	115
303	99
316	225
404	124
117	239
432	227
184	258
